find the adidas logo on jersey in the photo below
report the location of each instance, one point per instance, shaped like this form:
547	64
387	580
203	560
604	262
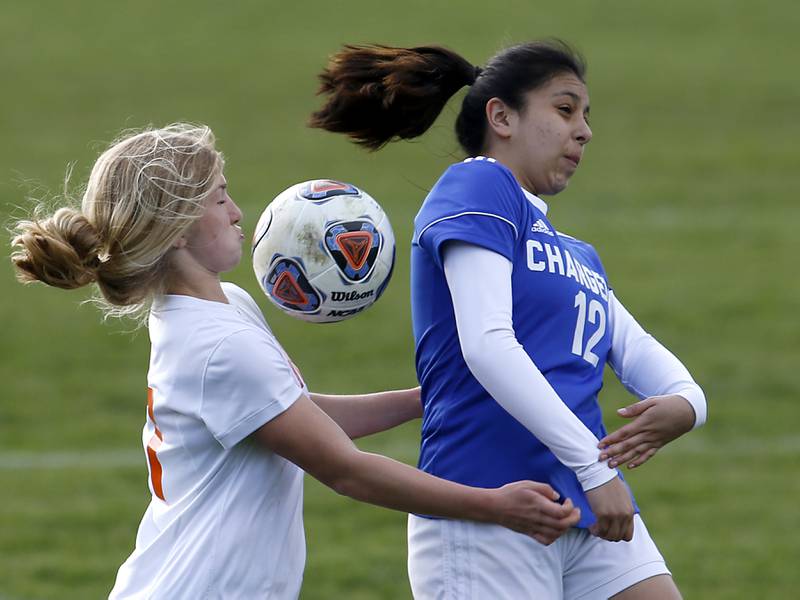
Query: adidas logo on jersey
540	227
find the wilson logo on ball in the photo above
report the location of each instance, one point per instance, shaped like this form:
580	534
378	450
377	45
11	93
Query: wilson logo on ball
354	246
321	190
350	296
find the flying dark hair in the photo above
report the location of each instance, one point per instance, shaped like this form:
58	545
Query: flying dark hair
378	94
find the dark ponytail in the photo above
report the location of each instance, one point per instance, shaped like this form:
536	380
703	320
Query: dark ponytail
377	94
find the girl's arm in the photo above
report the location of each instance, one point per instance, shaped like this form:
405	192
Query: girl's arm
306	436
480	287
365	414
672	403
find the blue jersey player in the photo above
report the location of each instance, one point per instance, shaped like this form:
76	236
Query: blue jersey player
514	322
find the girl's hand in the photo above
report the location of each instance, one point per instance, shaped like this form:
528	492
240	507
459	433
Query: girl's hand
531	508
612	506
656	421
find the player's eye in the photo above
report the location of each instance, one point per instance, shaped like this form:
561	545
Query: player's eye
566	109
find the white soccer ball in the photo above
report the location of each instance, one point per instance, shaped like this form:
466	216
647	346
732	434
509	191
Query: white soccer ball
323	251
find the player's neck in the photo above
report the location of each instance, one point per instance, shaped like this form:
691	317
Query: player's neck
507	159
202	285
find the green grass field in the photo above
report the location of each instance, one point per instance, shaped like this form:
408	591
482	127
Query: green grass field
688	191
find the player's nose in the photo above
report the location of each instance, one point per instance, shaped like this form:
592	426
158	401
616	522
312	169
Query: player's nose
236	213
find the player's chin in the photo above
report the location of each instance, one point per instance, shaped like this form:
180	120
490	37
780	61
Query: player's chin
562	180
555	183
556	186
233	260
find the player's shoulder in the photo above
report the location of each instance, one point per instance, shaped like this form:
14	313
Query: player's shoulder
241	352
477	185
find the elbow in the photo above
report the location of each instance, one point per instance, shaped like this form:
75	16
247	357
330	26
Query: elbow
474	357
356	487
345	481
347	486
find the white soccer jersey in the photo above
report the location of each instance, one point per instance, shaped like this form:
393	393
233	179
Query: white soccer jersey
225	519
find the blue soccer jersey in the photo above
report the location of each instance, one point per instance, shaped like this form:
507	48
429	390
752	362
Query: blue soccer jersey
560	316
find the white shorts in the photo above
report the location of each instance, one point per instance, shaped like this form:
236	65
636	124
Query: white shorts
462	560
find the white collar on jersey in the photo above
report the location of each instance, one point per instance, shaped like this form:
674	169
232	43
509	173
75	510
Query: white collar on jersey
535	200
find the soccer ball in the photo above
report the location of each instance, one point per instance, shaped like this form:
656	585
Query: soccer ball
323	251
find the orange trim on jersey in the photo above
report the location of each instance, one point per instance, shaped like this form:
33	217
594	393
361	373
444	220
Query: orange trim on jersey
156	471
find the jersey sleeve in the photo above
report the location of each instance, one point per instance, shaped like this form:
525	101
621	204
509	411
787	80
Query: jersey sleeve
247	382
476	202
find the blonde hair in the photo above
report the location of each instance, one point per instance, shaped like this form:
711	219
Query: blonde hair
143	193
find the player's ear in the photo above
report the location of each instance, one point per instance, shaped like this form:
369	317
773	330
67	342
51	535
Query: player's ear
501	117
179	243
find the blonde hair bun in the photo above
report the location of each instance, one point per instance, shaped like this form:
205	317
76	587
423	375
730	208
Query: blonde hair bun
61	250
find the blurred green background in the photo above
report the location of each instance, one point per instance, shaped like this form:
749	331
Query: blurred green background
688	191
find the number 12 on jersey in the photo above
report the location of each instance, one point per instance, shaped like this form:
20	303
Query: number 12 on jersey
595	315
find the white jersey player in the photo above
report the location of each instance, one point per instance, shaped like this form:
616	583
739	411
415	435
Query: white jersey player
514	322
219	499
230	427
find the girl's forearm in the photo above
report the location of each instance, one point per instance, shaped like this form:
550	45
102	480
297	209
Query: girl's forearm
364	414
